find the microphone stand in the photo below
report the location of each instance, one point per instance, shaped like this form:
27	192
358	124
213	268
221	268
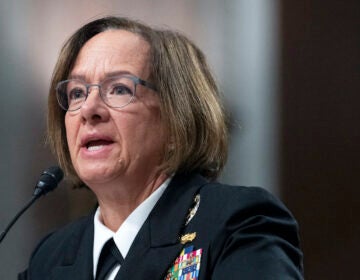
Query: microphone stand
13	221
48	181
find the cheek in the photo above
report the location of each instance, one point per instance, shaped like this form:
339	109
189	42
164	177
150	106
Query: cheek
141	131
153	133
70	127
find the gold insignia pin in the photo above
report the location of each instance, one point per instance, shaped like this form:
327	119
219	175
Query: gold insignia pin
187	237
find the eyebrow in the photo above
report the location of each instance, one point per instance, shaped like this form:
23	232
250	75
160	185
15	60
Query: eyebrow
107	75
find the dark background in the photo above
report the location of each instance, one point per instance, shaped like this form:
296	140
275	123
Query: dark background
320	132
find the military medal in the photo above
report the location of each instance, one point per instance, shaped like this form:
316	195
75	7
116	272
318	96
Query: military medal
187	237
186	266
193	210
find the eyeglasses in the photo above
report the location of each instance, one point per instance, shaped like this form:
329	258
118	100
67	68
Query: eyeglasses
116	92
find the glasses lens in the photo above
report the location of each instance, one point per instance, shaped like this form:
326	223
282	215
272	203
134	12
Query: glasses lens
118	91
71	94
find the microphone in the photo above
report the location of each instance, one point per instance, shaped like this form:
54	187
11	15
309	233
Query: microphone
48	181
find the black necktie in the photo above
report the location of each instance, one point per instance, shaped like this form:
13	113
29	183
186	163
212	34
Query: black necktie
109	257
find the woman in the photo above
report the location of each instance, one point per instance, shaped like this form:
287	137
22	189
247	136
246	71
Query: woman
135	115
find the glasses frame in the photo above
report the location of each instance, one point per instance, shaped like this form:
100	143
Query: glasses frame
136	80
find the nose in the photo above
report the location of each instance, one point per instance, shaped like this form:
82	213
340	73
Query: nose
94	109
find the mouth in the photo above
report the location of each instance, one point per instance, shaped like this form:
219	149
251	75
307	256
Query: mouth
95	143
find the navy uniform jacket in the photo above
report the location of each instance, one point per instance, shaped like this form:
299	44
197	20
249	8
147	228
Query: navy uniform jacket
244	233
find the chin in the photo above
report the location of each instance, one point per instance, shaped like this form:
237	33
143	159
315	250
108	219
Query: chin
96	175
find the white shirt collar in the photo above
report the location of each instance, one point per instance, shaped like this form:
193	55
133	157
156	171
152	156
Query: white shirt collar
128	230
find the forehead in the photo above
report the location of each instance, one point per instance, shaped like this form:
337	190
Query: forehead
112	51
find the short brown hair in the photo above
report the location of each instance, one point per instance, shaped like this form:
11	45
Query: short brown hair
191	109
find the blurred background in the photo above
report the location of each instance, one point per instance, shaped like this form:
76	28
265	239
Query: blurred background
289	71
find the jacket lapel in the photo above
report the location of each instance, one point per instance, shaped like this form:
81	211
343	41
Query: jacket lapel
78	260
157	244
154	249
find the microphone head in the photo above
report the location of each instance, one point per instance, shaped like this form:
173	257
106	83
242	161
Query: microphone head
49	180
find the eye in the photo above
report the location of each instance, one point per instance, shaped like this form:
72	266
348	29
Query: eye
76	93
120	89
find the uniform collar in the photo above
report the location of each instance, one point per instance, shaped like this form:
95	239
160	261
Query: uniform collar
128	230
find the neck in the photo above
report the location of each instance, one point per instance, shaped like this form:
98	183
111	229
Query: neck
118	201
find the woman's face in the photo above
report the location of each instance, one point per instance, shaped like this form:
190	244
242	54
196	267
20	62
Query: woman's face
107	144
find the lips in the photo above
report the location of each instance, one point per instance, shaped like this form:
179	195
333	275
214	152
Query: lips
95	143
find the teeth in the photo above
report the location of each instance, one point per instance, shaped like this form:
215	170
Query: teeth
95	148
